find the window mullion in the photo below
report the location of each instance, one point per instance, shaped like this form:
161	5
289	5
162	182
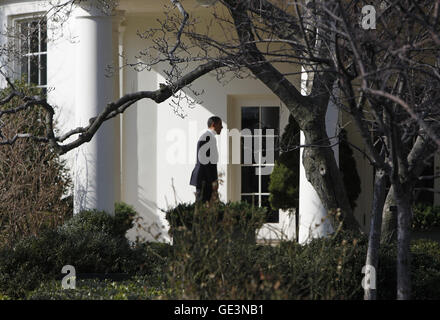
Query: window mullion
39	53
259	156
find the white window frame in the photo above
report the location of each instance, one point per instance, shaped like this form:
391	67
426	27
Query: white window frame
15	22
259	194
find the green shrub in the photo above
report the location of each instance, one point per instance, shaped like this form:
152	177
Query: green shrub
323	269
284	180
135	289
91	242
236	218
425	270
425	217
33	259
100	221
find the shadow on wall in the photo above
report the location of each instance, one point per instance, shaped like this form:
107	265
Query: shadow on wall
139	164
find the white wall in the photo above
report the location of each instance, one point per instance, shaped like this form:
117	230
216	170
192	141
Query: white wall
158	146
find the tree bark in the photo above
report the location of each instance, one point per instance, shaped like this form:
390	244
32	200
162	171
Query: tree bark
323	173
389	218
404	217
319	161
370	291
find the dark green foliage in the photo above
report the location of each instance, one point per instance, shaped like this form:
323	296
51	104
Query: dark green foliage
100	221
33	259
425	217
425	270
284	180
209	266
91	241
347	166
208	262
135	289
219	216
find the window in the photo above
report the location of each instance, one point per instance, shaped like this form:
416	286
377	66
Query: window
32	45
259	150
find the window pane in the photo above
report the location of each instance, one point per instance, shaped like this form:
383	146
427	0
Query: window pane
270	149
249	180
270	119
34	70
43	37
43	69
34	36
247	156
24	68
249	118
265	179
250	199
272	216
24	37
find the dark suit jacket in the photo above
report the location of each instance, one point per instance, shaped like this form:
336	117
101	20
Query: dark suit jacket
205	170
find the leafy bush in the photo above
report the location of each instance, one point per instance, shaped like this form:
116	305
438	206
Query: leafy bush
323	269
100	221
90	241
213	267
425	217
284	180
135	289
34	181
230	221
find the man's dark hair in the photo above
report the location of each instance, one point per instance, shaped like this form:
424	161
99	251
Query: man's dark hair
212	120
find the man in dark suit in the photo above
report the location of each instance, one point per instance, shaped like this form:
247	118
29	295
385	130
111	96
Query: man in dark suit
204	176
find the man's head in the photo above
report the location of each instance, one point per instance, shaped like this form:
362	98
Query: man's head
215	123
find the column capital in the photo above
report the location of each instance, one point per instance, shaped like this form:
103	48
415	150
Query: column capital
96	8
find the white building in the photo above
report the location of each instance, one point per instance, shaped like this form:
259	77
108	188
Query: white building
145	156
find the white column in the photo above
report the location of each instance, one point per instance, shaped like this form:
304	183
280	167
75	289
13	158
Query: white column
94	178
313	217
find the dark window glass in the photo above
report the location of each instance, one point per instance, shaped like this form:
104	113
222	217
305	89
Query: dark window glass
265	180
24	68
34	69
272	216
43	69
270	119
34	36
43	37
272	147
249	118
249	180
263	118
24	37
33	66
251	199
247	155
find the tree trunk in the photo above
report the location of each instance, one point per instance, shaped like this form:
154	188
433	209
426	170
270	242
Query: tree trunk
370	290
404	217
389	218
323	173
